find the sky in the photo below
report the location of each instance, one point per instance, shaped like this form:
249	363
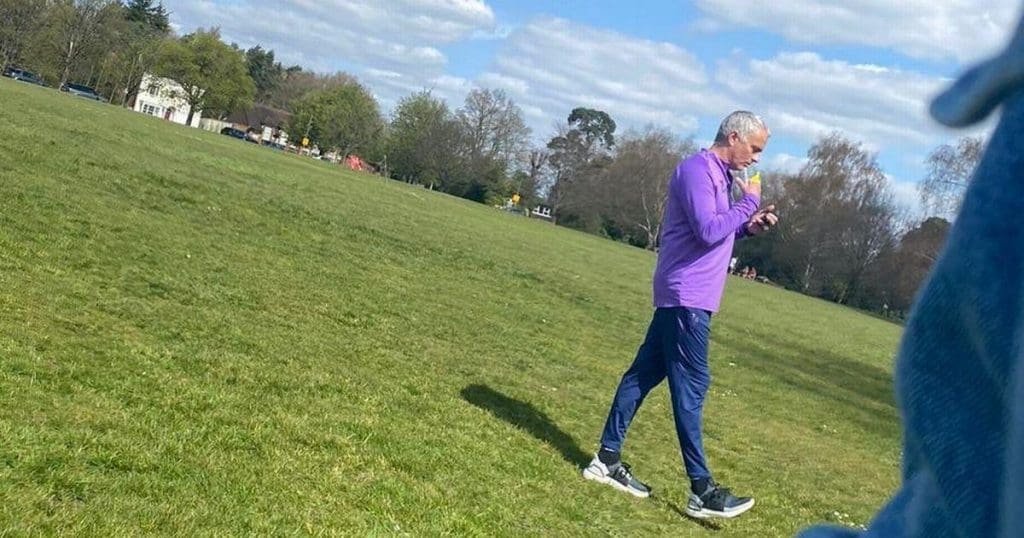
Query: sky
866	68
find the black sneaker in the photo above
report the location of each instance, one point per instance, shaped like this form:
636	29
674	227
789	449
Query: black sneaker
717	501
618	476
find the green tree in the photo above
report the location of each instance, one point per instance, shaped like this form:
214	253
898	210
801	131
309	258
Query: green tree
345	118
132	50
577	153
144	13
78	31
20	20
212	74
596	125
296	83
421	141
265	72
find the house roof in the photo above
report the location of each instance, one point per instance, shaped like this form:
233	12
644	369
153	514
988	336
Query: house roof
261	115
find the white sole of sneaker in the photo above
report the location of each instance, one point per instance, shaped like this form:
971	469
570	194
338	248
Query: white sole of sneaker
708	514
602	479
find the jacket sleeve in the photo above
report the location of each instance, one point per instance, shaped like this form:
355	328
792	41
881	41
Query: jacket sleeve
695	192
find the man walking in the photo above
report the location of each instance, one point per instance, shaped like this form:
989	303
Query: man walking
699	227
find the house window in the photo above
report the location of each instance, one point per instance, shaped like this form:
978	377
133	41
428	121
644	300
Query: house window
152	110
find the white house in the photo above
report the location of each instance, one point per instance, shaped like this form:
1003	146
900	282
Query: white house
163	98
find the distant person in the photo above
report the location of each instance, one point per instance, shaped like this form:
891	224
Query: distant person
752	275
698	230
732	264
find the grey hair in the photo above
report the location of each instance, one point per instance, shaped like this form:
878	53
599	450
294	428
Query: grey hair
743	123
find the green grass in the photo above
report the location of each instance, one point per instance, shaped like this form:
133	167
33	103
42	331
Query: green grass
200	336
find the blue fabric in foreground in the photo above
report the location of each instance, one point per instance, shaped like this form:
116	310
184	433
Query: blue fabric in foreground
959	374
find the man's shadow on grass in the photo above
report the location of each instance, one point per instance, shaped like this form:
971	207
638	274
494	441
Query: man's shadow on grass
538	423
525	416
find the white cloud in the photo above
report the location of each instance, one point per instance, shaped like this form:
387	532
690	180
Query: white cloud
554	65
515	87
806	96
400	35
448	85
952	29
499	32
550	66
785	163
389	87
383	73
907	196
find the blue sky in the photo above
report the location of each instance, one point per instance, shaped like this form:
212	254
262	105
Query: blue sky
866	68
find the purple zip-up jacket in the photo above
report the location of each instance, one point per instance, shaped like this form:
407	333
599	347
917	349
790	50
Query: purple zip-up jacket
697	233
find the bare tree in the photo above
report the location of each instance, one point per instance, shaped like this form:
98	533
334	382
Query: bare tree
635	184
536	160
910	262
492	126
80	29
949	171
838	218
532	176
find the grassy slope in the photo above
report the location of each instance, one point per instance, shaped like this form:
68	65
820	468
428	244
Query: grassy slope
198	335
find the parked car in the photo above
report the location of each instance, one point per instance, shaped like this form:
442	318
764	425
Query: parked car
233	132
23	75
79	90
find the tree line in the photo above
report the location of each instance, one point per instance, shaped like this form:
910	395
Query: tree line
842	237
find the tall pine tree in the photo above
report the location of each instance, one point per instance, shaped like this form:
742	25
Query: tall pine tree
145	13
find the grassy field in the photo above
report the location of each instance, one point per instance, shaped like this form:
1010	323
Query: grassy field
199	336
